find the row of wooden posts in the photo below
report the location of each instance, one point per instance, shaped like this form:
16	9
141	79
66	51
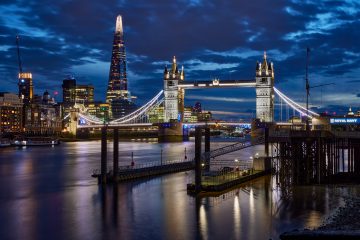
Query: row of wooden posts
115	172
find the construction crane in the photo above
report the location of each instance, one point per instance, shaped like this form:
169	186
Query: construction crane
18	53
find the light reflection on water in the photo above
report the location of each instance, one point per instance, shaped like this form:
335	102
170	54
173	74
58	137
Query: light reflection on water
47	193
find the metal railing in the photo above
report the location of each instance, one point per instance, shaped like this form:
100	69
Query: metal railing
233	148
139	166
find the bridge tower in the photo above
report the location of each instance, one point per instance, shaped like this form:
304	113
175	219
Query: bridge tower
265	90
174	97
74	118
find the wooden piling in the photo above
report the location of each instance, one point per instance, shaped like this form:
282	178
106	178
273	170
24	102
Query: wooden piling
207	149
116	155
198	159
103	154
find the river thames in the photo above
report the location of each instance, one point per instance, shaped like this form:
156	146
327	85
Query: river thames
48	193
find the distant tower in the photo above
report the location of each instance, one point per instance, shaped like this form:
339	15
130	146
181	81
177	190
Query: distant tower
174	97
265	91
117	86
25	87
69	90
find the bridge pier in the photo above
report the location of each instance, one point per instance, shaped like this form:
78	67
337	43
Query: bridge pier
103	155
170	132
116	155
198	166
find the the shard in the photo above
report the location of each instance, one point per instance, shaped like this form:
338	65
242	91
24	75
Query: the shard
117	86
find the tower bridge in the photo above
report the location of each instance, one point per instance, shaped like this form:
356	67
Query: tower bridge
298	156
172	96
175	86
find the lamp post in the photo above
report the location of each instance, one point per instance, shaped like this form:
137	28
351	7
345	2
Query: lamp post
237	166
252	167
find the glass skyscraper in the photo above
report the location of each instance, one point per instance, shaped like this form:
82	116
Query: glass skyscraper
117	86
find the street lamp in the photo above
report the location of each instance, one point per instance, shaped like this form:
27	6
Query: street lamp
237	161
252	168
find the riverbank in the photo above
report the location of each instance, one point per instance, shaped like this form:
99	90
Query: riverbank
344	223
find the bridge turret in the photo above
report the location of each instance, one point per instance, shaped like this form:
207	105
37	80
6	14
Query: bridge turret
182	74
174	68
265	90
166	73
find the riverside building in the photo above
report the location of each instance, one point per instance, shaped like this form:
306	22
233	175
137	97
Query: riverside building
11	110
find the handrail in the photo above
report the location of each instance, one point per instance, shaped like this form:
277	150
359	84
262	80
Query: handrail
233	147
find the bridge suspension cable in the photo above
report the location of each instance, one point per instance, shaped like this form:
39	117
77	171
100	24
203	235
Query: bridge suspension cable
91	119
68	115
155	101
297	107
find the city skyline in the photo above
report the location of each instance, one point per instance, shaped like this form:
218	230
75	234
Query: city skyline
58	40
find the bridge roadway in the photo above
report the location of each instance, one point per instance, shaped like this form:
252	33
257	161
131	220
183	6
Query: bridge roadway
127	125
216	83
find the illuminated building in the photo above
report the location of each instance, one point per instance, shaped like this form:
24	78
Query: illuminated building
117	94
192	114
174	97
25	87
121	107
350	112
98	109
73	93
43	116
189	115
117	86
11	110
204	116
265	91
84	94
69	94
156	115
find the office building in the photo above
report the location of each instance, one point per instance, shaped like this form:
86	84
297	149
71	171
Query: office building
69	93
11	110
26	87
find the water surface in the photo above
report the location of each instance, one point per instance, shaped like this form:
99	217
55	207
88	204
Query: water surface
47	193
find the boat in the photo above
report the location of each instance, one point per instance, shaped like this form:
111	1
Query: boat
4	142
36	141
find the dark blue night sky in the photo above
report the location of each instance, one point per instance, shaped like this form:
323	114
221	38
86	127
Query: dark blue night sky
222	39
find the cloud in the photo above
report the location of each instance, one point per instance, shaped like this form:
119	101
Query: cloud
292	11
210	38
237	52
198	65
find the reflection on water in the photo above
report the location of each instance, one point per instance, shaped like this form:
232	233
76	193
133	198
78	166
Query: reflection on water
47	193
237	217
